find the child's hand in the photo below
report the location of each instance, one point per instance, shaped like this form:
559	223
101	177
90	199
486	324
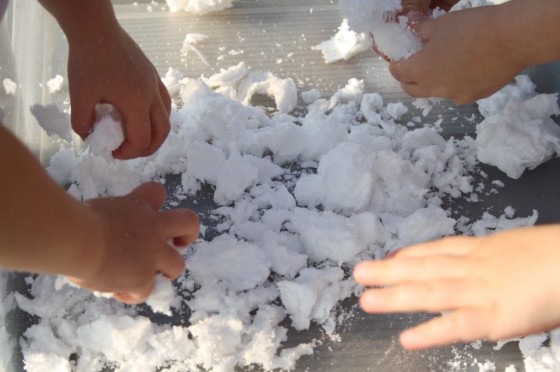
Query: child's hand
133	243
111	68
463	58
492	288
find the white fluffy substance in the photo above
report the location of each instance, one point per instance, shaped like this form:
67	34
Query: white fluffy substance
344	45
55	84
199	6
189	45
391	33
106	137
393	39
518	131
53	120
295	201
10	86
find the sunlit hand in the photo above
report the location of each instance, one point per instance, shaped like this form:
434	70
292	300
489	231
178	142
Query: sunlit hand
111	68
134	237
492	288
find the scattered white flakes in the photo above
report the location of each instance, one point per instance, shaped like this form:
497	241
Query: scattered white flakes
393	37
487	366
199	6
283	91
396	110
344	45
162	296
188	45
10	86
489	223
518	132
55	84
425	104
227	77
53	120
310	96
299	198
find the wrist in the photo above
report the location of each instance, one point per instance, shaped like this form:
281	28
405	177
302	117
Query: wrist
88	255
84	21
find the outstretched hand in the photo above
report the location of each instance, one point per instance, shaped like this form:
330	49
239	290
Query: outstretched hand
492	288
133	239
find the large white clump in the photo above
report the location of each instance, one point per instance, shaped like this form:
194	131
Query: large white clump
392	35
518	132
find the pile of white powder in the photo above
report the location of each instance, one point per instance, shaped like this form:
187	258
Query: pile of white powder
297	199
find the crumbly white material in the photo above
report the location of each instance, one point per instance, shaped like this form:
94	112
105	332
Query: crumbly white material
392	35
188	45
55	84
518	131
298	200
10	86
199	6
53	119
344	45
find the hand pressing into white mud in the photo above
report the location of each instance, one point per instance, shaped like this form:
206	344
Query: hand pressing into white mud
492	288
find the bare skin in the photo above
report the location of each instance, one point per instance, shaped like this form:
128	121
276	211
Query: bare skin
106	66
472	53
108	244
491	288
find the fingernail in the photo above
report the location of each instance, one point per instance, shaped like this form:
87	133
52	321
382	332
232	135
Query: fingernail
369	300
359	271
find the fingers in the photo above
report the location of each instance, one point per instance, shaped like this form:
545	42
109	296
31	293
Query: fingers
462	325
401	270
181	225
160	126
151	193
137	134
82	115
435	296
170	263
454	246
136	296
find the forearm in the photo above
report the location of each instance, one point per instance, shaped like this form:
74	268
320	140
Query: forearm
42	229
83	20
531	31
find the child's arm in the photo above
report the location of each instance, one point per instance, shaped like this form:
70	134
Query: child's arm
108	244
106	65
493	288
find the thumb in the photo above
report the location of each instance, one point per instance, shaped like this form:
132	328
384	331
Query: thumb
82	115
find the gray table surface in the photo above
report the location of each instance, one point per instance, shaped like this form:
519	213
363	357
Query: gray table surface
261	33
